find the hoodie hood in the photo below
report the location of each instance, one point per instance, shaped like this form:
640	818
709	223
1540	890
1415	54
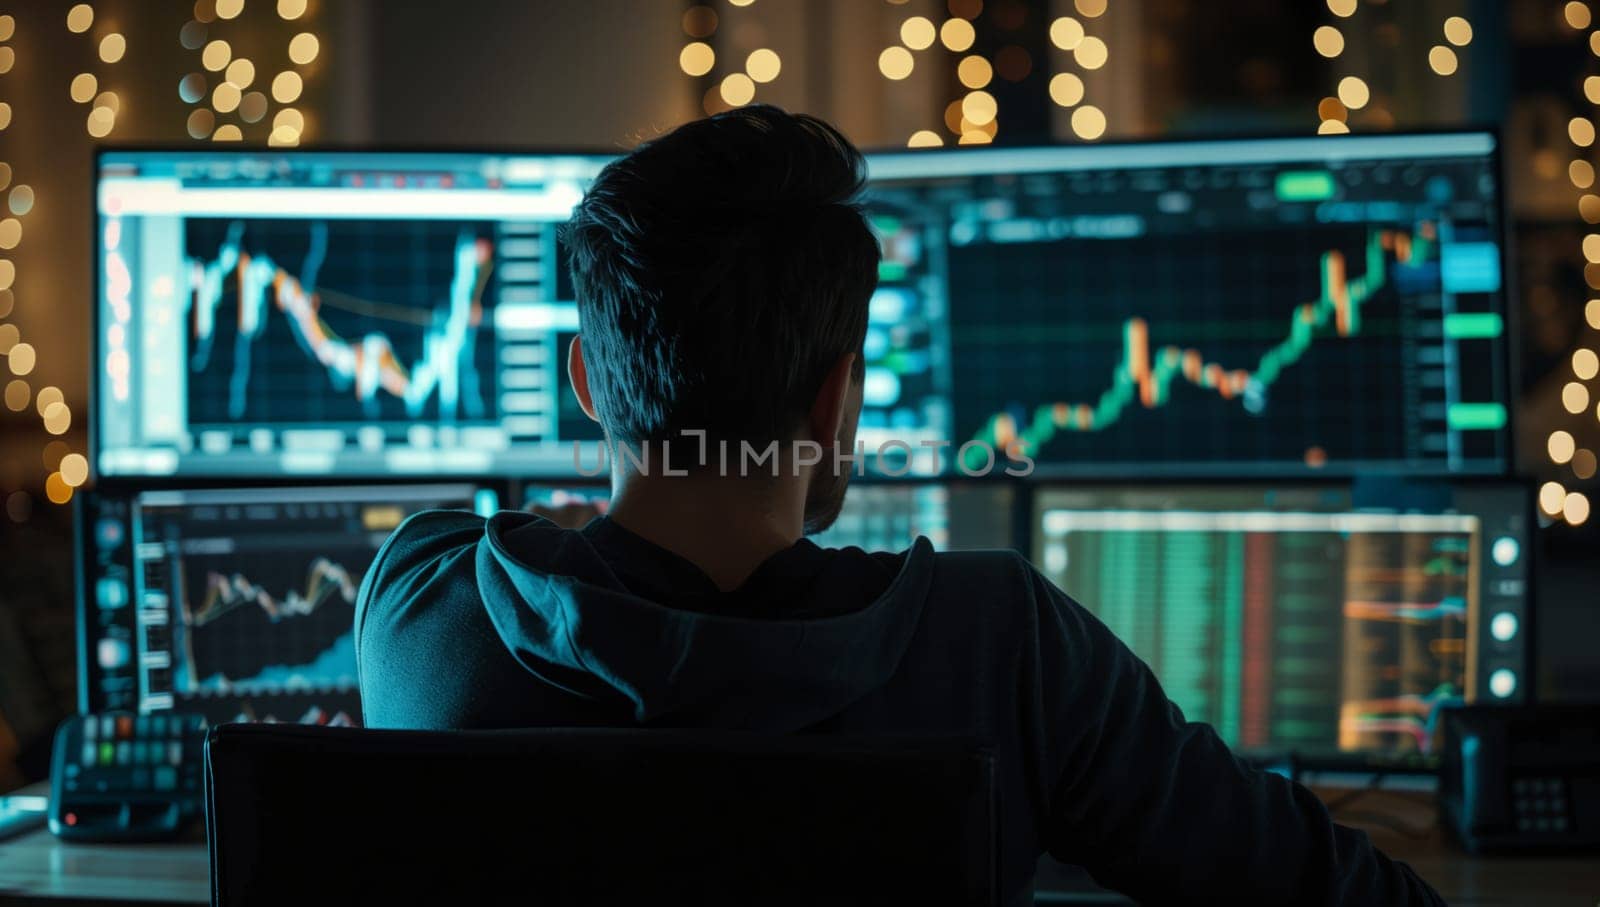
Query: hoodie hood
608	615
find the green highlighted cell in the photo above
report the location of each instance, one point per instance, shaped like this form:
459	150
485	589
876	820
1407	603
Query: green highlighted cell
1473	325
1476	416
1305	185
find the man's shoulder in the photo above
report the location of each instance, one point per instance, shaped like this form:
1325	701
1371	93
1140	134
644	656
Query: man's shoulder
417	546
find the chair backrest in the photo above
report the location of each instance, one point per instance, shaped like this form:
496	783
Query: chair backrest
298	814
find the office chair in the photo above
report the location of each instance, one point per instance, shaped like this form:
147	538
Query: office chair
305	814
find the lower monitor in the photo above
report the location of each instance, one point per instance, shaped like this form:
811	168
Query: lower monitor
235	603
1306	620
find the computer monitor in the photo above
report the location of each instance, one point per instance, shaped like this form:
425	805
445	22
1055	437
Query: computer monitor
1313	620
1328	304
236	603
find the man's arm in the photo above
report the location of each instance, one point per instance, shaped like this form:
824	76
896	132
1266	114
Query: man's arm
1160	809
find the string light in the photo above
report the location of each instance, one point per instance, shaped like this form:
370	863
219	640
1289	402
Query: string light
957	34
112	47
79	18
1577	15
1581	172
1458	31
697	58
83	87
229	9
1066	32
1581	131
974	72
924	138
1091	9
240	73
1560	446
918	33
286	86
1585	364
895	63
763	65
1575	397
1091	53
1442	60
1328	41
1089	122
303	48
1344	9
738	89
291	9
216	55
1552	497
1353	92
1066	89
1575	508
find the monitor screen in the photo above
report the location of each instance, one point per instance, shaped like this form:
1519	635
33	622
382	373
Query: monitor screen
235	603
1311	620
1295	306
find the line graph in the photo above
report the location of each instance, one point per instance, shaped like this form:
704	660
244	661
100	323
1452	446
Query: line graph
372	311
1144	377
267	620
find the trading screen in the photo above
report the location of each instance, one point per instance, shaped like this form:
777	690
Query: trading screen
239	603
1305	619
1294	306
1283	306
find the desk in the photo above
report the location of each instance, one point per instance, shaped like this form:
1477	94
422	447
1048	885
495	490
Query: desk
36	867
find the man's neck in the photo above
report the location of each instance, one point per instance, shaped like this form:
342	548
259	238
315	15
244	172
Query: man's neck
725	525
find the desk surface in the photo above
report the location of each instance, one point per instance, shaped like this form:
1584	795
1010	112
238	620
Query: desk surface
37	866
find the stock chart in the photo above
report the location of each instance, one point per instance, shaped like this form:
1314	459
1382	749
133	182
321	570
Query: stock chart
340	322
1293	621
1254	309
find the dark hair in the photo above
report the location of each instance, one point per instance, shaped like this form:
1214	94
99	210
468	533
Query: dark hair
721	270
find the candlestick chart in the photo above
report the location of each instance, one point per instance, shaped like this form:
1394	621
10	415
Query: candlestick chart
1295	346
338	321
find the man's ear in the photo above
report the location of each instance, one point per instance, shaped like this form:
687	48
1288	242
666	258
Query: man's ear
832	403
578	372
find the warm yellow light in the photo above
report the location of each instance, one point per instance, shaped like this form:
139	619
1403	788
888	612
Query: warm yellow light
74	469
740	2
1577	14
1581	131
8	273
201	122
48	396
1560	446
227	132
1066	32
1594	43
1091	53
1088	122
979	107
303	48
1591	313
763	64
918	33
1332	127
1353	92
101	121
1066	89
241	73
1575	397
216	55
290	117
8	59
1552	495
924	138
1442	60
291	9
1575	508
283	135
1458	31
9	337
895	62
974	72
1331	109
957	34
22	359
1581	173
1342	8
17	395
1091	9
112	47
10	233
1589	208
79	18
5	115
974	137
738	90
286	86
8	27
1585	364
229	9
57	489
1328	41
697	58
8	301
83	87
226	97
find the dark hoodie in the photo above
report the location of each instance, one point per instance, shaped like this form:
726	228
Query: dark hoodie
464	622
